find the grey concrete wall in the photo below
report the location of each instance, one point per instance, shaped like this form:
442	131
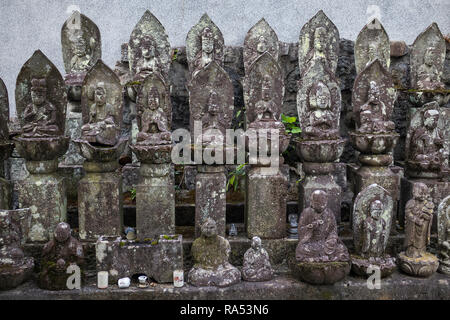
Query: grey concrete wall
28	25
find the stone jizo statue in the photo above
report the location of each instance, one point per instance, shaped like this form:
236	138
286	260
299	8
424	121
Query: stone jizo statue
82	60
149	63
210	253
257	265
428	76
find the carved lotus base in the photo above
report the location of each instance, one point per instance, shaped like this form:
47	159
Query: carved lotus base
375	160
386	265
6	149
222	276
444	266
42	148
100	154
374	144
321	151
153	154
423	267
11	277
320	272
416	169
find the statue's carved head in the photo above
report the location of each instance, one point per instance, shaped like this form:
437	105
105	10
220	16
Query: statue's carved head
213	105
431	118
62	232
420	191
374	91
79	46
319	200
209	228
261	47
207	41
148	46
100	93
38	91
428	57
153	98
320	39
320	96
266	89
256	243
376	209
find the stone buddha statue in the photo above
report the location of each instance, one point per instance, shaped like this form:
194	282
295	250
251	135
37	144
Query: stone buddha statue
318	238
154	122
262	45
428	76
210	253
206	54
373	114
418	216
322	121
374	231
319	51
149	63
212	121
11	253
81	61
257	265
102	128
427	143
40	115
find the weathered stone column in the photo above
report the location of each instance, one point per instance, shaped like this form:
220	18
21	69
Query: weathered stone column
210	197
6	147
266	203
100	201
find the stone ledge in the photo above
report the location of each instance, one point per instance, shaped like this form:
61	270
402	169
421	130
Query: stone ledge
283	287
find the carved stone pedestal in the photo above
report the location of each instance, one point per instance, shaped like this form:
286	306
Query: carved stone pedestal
156	258
155	201
320	273
266	203
100	201
438	191
361	265
44	192
424	266
210	197
73	130
319	176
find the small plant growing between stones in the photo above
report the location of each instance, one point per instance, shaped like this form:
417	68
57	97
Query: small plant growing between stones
233	177
175	54
290	123
133	193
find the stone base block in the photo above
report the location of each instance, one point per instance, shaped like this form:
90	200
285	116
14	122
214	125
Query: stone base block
223	276
100	201
11	277
45	195
155	201
319	272
157	259
266	203
422	267
210	198
360	266
438	191
5	194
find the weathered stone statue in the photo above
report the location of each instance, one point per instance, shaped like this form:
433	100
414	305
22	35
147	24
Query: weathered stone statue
416	260
319	108
426	64
204	44
263	96
444	235
426	152
210	253
257	265
15	268
41	102
57	255
372	220
372	43
101	145
6	146
211	104
321	257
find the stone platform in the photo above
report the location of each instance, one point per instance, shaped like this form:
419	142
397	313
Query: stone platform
282	287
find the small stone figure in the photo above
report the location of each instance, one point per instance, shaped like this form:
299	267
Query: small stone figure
428	76
154	122
212	121
416	260
57	255
82	60
444	235
372	218
40	114
233	230
321	256
293	224
210	253
149	62
15	268
257	265
373	114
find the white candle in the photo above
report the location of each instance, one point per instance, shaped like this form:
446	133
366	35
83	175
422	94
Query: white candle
102	279
178	278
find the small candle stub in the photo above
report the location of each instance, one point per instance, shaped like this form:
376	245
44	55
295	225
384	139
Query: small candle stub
178	278
102	279
124	283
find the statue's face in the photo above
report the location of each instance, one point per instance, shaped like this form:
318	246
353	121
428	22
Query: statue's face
319	39
62	232
209	229
428	58
213	108
420	191
323	98
431	119
153	101
148	51
262	45
79	47
207	44
38	97
372	52
256	243
319	201
376	209
100	96
374	92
